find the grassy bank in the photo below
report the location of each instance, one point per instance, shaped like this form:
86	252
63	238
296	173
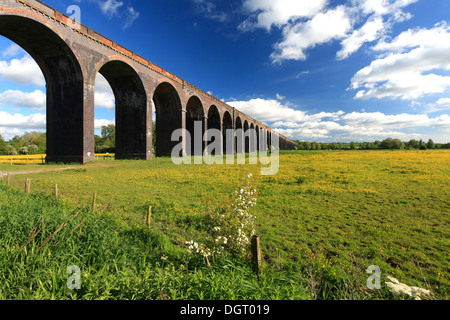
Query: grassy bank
116	261
323	220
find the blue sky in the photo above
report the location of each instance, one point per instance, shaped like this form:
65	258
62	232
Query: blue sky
354	70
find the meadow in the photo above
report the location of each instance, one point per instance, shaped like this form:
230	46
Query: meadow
322	220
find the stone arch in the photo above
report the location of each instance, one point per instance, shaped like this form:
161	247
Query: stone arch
132	112
195	116
227	133
257	137
214	122
169	118
239	142
246	137
67	140
252	147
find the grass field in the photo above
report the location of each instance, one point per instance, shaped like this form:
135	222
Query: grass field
323	220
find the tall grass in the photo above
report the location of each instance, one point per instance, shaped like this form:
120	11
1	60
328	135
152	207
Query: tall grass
323	220
40	238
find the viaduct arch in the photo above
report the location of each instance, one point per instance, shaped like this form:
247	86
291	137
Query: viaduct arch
70	59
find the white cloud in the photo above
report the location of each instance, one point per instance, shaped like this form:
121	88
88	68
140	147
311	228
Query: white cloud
8	133
331	126
32	100
267	110
12	124
280	97
19	121
268	13
104	96
397	121
131	16
110	7
99	123
370	31
444	102
440	105
322	28
22	71
273	110
306	24
104	100
382	7
210	11
406	70
12	51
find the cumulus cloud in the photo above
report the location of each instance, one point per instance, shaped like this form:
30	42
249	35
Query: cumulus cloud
110	7
23	71
322	28
268	13
20	121
12	124
12	51
444	102
440	105
331	126
306	24
405	68
104	96
32	100
382	7
370	31
99	123
273	110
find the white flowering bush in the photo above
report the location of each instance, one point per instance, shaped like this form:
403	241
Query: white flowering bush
398	288
229	227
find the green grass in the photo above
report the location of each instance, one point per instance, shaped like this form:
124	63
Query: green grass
323	220
116	261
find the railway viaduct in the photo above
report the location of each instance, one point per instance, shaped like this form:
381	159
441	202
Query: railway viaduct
70	57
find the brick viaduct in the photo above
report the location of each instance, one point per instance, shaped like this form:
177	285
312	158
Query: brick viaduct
70	59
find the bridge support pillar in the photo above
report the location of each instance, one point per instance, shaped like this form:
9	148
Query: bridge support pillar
70	122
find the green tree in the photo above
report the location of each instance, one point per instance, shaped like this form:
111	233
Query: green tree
24	150
414	144
3	146
307	145
107	141
109	134
430	144
11	150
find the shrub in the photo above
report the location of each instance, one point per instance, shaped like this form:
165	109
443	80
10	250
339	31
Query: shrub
229	227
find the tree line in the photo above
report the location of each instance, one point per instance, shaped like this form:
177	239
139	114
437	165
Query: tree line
388	144
35	142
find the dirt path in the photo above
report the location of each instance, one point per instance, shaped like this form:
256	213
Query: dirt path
12	173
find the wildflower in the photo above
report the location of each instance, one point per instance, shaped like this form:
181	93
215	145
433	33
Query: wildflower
398	288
